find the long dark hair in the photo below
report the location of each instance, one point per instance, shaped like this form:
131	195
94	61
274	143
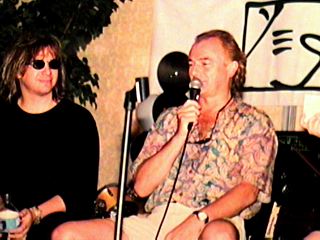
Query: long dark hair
20	55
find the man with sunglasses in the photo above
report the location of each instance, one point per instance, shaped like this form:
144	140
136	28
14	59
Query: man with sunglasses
49	146
214	174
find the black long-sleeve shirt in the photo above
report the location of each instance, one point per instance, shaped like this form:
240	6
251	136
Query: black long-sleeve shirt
48	154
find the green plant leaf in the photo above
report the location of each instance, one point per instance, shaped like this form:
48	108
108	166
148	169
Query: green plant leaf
75	22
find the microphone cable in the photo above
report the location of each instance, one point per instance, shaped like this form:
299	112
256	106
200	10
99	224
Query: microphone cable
174	184
195	86
180	162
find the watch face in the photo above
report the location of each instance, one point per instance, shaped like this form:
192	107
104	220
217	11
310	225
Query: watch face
202	216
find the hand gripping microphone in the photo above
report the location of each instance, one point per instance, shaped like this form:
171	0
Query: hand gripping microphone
194	90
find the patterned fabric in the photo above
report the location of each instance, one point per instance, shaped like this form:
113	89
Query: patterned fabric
242	147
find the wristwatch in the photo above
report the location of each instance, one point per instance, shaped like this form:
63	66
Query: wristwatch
202	216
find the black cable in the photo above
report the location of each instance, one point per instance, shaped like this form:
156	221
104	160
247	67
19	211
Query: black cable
305	159
180	162
174	186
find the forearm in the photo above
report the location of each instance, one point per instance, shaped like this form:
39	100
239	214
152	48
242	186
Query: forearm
35	214
53	205
233	202
154	170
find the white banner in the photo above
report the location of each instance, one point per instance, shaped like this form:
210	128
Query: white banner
281	40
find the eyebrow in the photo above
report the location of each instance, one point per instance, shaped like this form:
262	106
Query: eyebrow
201	59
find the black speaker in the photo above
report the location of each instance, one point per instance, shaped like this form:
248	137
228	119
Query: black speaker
295	186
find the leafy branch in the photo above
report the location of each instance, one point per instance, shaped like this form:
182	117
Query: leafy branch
75	22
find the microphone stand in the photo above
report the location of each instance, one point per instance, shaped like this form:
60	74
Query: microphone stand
129	105
137	94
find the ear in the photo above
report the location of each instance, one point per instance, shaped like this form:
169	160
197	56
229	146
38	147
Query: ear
232	68
19	76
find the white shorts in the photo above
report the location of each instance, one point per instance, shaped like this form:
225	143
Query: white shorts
145	226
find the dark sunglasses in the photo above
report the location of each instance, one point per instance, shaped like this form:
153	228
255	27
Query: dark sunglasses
39	64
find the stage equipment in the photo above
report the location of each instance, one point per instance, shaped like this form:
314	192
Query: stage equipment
173	77
173	72
137	94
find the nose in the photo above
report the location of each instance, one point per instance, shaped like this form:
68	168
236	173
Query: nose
194	71
47	69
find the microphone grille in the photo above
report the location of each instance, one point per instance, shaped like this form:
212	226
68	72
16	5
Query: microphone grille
195	83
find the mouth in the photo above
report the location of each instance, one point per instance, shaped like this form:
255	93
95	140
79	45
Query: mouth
45	81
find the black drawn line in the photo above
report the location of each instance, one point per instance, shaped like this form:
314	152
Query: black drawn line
280	50
278	8
281	40
276	85
264	13
281	32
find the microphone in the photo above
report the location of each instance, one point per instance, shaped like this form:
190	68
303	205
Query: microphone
194	91
195	87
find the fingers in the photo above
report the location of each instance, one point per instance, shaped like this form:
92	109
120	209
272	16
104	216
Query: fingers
312	125
25	224
303	121
188	113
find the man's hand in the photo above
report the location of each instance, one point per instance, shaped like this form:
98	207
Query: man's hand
188	113
190	229
312	125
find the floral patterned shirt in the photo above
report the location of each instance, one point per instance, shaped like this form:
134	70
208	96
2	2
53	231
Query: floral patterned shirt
242	147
